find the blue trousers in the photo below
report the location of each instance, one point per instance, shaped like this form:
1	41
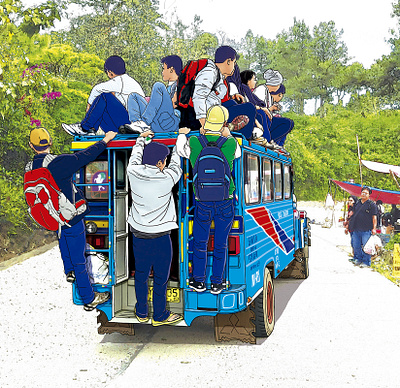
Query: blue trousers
107	112
222	213
359	239
247	109
158	113
72	244
280	127
157	254
264	120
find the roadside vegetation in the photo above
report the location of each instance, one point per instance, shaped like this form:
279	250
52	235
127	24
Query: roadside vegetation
46	76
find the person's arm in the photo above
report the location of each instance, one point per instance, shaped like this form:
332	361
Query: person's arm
182	143
174	168
203	86
227	133
137	151
374	224
110	86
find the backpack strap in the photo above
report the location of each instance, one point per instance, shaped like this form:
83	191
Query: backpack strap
203	140
221	141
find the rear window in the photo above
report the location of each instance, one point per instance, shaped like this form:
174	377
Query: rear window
278	181
97	173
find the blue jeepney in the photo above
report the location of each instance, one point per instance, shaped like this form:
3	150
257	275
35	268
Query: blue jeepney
269	238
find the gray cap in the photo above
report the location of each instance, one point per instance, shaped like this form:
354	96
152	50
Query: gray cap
273	77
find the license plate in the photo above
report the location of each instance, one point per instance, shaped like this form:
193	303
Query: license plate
173	294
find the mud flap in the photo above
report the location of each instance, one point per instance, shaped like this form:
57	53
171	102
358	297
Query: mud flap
107	327
237	326
296	269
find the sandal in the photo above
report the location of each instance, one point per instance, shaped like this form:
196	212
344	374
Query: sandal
140	319
170	320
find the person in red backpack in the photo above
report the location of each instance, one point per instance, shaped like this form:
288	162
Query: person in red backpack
72	239
211	88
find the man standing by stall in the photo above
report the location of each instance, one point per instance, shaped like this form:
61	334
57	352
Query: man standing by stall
363	223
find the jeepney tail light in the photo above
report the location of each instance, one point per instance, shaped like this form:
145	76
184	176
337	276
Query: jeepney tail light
96	241
303	214
233	244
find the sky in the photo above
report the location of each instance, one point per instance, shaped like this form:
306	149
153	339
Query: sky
365	23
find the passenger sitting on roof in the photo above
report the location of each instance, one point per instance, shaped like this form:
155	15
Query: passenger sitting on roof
243	85
272	93
107	101
158	114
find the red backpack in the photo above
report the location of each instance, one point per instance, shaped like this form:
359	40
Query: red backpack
47	205
186	82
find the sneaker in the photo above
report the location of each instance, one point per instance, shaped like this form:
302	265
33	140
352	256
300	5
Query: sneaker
197	286
134	127
357	262
352	260
74	129
363	265
70	276
257	133
216	288
99	298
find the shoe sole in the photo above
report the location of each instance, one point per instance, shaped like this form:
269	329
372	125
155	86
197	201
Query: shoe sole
157	323
81	133
216	292
197	289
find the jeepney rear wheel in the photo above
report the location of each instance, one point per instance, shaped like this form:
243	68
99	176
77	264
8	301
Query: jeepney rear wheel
264	308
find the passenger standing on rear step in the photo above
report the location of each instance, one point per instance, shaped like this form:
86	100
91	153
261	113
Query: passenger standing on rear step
213	187
151	218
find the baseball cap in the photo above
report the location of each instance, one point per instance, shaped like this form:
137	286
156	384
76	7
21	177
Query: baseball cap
216	117
40	138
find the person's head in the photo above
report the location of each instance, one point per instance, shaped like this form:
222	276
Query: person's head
379	202
114	66
277	94
352	200
40	140
225	59
365	193
171	67
273	79
216	118
248	78
155	154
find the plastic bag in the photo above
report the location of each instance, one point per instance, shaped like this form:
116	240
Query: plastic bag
372	246
97	266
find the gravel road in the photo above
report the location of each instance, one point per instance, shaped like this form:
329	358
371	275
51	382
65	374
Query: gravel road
340	327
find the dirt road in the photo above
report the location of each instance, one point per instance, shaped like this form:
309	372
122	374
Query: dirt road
340	327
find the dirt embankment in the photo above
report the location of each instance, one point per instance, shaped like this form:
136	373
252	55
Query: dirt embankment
12	245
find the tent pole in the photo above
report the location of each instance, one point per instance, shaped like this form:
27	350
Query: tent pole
359	160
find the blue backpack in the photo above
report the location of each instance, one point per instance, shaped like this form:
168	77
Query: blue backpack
211	172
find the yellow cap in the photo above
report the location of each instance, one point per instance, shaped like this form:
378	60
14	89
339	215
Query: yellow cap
216	117
40	138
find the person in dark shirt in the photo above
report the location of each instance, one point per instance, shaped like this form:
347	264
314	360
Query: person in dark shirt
363	223
72	239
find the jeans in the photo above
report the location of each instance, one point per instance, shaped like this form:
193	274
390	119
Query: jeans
107	112
359	239
264	120
222	213
158	113
72	247
279	129
157	254
247	109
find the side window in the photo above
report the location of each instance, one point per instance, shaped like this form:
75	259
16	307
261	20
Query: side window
278	181
251	179
96	172
287	181
267	180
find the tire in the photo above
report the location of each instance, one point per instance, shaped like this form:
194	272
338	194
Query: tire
264	308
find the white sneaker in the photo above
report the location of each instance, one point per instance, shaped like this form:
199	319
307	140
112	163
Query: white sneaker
138	126
73	129
257	133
